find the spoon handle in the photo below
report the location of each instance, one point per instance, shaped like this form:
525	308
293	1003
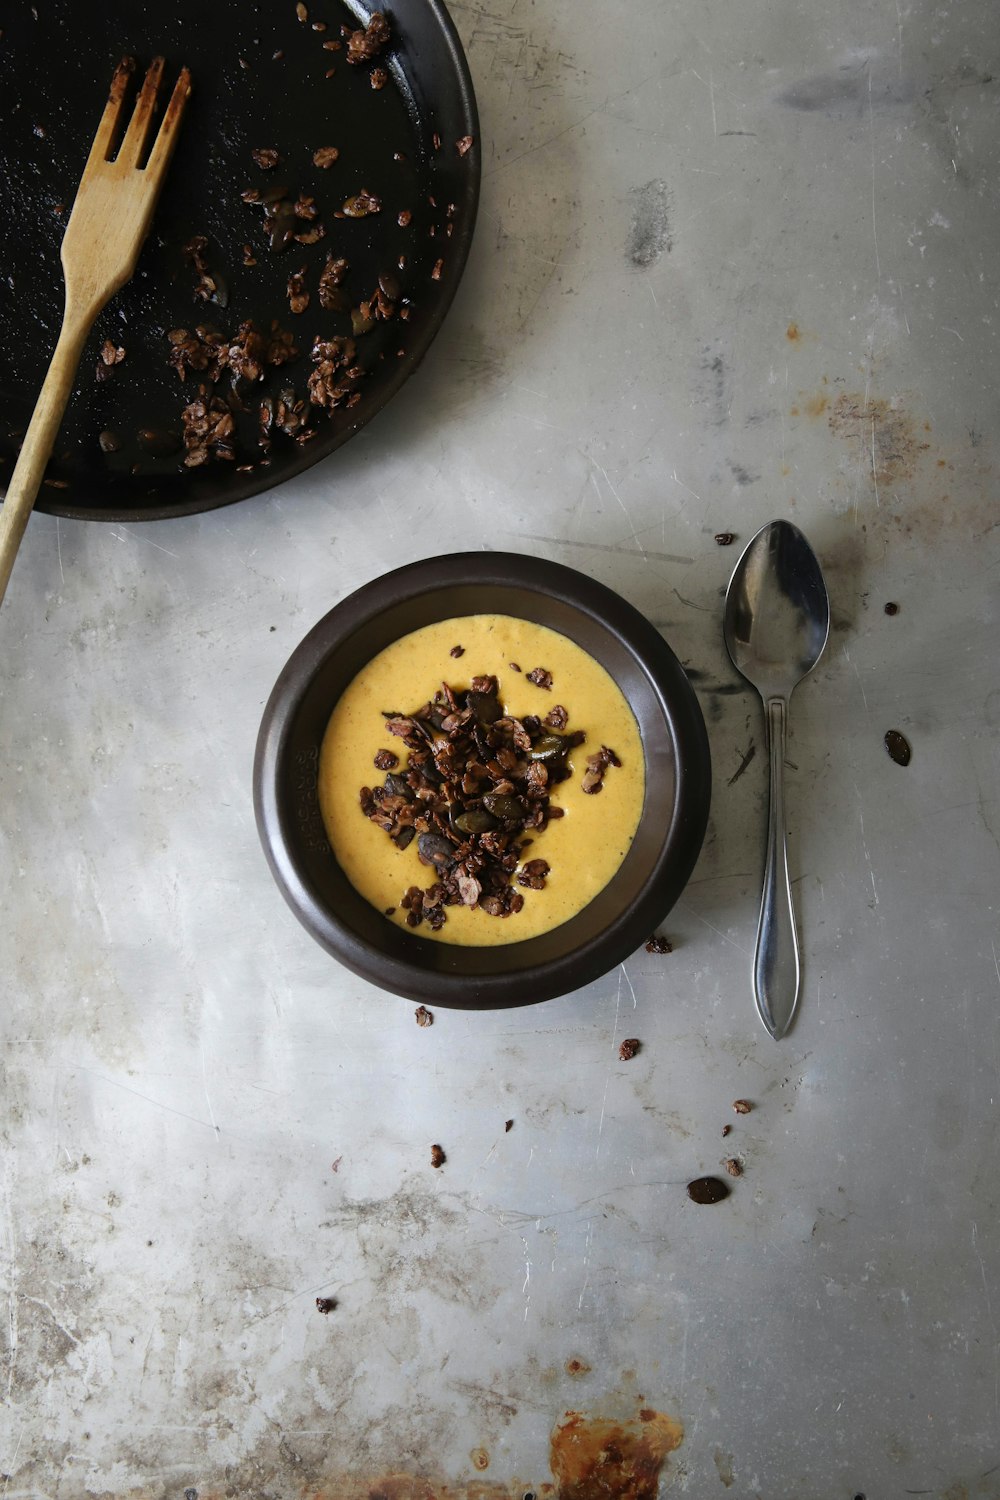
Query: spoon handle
776	961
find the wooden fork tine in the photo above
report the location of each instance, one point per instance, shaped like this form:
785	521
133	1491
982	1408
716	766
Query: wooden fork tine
105	138
136	136
166	140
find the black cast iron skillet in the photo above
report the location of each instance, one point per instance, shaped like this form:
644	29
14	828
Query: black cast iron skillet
259	81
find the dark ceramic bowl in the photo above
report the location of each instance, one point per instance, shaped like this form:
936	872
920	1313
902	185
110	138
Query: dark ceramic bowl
621	916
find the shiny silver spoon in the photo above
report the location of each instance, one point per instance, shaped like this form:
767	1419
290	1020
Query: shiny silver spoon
777	621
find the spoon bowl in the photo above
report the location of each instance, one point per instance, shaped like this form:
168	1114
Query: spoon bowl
777	621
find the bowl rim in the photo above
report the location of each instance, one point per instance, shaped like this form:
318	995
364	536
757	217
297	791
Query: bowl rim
602	949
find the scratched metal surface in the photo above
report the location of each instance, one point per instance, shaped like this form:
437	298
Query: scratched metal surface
731	263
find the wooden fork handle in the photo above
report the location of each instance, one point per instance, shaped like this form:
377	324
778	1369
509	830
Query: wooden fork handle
40	437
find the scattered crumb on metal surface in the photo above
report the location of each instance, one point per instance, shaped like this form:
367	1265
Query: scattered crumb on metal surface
658	944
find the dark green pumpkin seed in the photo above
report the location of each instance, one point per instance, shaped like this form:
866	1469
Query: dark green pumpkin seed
503	805
549	747
436	850
477	820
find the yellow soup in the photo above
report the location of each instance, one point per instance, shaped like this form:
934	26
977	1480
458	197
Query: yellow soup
583	848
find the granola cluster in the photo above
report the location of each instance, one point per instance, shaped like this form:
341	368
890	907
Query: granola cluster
477	785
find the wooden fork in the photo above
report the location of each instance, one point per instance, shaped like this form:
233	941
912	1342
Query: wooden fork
110	219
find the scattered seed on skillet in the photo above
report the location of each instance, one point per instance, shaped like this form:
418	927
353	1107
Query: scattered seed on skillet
40	131
277	56
210	286
301	11
399	156
422	1015
438	1157
363	46
111	355
319	26
332	382
725	538
404	218
325	156
331	276
378	78
208	431
898	747
464	144
332	46
298	297
436	141
361	204
540	677
265	157
249	259
629	1048
57	484
457	651
110	442
386	760
658	944
329	73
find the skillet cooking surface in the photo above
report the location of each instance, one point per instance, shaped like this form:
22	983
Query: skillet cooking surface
56	62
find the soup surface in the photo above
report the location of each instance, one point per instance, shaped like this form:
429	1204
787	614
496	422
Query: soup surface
583	848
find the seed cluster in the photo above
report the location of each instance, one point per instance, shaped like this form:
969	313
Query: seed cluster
475	783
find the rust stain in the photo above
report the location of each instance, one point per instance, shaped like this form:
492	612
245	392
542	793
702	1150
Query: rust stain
577	1367
593	1458
883	434
480	1458
792	333
816	405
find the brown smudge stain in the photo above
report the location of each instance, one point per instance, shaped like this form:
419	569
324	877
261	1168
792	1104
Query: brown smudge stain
792	333
480	1458
577	1367
816	405
593	1458
882	431
724	1464
409	1487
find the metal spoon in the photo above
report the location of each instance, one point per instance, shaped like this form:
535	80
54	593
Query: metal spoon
777	620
